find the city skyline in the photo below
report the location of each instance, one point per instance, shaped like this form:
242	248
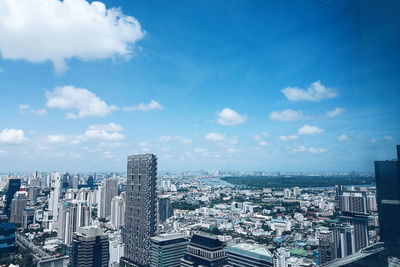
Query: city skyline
223	86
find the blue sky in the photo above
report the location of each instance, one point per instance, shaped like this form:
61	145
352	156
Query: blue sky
219	85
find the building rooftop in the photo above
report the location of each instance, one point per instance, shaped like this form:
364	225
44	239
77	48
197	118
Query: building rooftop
252	251
167	237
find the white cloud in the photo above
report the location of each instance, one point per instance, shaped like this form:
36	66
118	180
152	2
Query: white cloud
12	136
24	109
317	150
230	117
315	92
298	149
264	143
84	101
217	137
53	30
232	150
335	112
286	115
388	138
258	137
201	151
153	105
56	138
106	132
342	138
287	138
307	129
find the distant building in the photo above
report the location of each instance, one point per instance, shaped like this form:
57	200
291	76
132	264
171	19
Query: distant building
327	246
338	190
18	205
353	201
118	212
141	209
89	248
167	250
387	177
13	185
28	217
247	255
360	223
204	250
371	203
108	191
165	209
116	252
280	256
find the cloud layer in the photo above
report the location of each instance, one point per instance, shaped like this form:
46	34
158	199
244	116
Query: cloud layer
286	115
315	92
12	136
228	116
53	30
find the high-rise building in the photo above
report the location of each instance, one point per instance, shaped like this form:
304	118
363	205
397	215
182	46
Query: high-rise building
204	250
353	201
108	191
296	191
141	209
338	190
360	223
345	240
13	185
18	205
89	248
165	209
371	203
167	250
116	252
247	255
118	212
327	247
387	178
55	193
287	193
33	192
28	217
7	238
73	214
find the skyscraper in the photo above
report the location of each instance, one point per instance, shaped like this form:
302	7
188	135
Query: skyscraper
165	209
18	205
387	177
360	223
107	192
55	193
89	248
345	240
327	248
118	212
353	201
13	185
141	209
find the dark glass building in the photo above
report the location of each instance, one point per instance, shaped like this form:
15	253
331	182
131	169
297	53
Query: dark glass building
387	178
141	209
13	185
7	238
165	209
204	250
167	250
89	248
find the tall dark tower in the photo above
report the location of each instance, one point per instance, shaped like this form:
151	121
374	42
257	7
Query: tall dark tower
12	187
387	178
141	209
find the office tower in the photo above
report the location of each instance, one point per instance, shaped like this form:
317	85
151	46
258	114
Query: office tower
204	250
338	190
246	255
387	178
353	201
345	240
280	256
108	191
118	212
55	193
287	193
167	249
90	182
116	251
165	209
18	205
33	192
327	248
7	238
73	214
360	223
296	191
28	217
13	185
371	203
141	208
89	248
75	181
